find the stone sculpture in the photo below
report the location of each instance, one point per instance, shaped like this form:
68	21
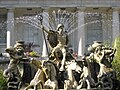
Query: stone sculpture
12	73
70	67
60	42
45	76
39	78
61	71
86	75
104	57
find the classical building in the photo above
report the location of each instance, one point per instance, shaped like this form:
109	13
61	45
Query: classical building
84	20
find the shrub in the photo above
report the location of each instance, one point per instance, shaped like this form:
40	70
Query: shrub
116	61
3	82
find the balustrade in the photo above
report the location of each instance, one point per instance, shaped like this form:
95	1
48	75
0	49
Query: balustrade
75	3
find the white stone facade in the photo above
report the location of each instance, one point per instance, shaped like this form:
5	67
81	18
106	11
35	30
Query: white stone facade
94	20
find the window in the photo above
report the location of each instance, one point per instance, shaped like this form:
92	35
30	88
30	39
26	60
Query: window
94	28
3	29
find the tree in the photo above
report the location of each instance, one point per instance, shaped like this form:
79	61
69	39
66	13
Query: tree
116	61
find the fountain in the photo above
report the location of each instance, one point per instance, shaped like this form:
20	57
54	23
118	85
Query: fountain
76	74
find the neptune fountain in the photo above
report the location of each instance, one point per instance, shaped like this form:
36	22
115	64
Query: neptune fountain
61	70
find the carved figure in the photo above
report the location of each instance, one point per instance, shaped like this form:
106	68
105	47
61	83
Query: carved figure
71	82
61	41
104	56
45	76
86	75
52	72
40	76
12	73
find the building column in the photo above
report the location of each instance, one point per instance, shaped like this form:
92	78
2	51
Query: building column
10	27
116	23
46	24
81	32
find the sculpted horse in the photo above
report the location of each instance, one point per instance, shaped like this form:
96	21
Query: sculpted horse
71	67
86	77
52	72
45	75
40	76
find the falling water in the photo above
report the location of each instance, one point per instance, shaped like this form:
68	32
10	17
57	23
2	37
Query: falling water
69	19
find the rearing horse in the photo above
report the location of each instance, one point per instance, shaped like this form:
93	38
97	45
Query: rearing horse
46	72
52	72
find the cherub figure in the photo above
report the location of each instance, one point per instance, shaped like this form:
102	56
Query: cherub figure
12	73
104	57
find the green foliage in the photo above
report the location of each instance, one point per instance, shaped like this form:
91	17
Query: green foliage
3	83
106	43
116	61
34	54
